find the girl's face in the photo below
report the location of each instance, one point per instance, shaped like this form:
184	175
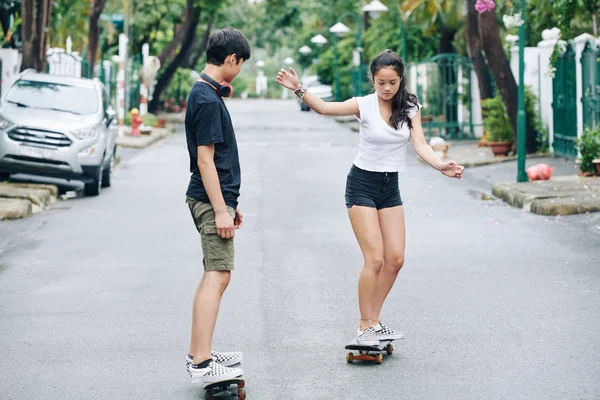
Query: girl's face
387	83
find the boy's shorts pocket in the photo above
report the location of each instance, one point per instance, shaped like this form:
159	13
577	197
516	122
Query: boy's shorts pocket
218	253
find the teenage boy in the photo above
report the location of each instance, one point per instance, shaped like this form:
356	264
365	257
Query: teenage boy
212	197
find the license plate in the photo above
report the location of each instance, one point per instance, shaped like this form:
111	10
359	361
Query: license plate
37	152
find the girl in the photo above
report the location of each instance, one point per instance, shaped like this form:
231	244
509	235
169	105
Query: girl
387	118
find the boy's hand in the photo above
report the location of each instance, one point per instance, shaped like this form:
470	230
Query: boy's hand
239	219
452	170
225	225
288	80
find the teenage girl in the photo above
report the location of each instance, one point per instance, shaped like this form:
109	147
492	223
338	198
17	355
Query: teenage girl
388	118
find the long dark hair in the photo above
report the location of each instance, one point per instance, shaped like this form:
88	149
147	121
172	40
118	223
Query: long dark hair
403	101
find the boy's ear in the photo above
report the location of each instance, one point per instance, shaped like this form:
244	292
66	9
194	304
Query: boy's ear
233	59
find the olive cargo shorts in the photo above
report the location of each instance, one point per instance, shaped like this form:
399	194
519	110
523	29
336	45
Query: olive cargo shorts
218	253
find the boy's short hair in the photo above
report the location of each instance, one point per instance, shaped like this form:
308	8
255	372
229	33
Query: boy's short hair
225	42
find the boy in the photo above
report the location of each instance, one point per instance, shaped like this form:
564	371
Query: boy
212	198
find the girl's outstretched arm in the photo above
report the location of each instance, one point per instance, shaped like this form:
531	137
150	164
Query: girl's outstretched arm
290	81
449	168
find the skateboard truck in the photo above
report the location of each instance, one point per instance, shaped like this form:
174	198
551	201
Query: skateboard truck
230	387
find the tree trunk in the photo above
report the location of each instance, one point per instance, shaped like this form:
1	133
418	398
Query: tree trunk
198	50
505	81
191	22
35	20
94	33
180	35
446	39
475	54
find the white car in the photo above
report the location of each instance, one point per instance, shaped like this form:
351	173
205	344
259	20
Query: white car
59	127
317	88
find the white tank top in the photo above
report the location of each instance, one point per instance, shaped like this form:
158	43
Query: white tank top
381	148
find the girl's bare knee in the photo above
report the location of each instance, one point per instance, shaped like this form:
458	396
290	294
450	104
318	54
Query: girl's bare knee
394	263
374	263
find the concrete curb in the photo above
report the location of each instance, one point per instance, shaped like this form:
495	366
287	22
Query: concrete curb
15	208
559	196
20	200
39	197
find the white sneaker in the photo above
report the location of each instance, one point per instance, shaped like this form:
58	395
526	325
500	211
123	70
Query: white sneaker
386	333
213	373
225	358
368	337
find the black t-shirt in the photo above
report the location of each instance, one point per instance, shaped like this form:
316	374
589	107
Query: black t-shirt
207	121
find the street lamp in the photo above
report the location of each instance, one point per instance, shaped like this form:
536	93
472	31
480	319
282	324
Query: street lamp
521	174
337	29
319	40
375	9
305	50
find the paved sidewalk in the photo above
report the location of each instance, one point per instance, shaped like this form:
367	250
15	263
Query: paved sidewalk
143	141
469	154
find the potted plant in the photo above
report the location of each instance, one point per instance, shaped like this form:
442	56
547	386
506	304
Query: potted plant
497	125
589	147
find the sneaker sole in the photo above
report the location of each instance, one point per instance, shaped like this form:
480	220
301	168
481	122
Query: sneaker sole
390	337
225	363
372	344
217	379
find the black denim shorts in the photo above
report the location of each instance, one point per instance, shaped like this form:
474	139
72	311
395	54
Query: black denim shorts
372	189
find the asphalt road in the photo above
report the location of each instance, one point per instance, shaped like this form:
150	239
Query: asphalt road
496	303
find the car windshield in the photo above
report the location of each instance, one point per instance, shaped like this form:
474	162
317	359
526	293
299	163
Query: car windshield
53	96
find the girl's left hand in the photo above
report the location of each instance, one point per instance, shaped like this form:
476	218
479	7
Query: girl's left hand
452	169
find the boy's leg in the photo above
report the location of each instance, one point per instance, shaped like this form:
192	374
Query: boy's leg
218	260
205	310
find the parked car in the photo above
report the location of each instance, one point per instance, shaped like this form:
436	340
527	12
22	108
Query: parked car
312	83
58	126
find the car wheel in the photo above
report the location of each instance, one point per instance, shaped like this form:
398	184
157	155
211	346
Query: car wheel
95	187
107	173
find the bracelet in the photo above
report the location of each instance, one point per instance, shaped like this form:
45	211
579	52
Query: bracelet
300	92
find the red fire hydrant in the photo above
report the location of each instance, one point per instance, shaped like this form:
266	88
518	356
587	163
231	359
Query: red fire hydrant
136	121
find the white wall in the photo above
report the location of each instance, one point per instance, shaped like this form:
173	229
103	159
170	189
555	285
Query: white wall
11	64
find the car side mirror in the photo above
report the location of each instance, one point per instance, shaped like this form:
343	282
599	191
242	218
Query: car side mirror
110	115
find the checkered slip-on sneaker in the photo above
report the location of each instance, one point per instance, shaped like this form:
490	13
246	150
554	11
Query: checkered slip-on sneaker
226	359
213	373
368	337
387	333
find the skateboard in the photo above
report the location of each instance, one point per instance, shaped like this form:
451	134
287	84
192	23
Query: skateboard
368	353
230	387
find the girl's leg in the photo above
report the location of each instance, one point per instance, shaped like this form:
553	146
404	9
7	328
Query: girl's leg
391	222
365	224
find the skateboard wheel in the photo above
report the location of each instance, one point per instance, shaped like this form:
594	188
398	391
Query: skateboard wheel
379	358
241	394
389	349
241	384
209	395
349	358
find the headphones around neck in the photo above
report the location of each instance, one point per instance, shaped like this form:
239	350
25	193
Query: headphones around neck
223	89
